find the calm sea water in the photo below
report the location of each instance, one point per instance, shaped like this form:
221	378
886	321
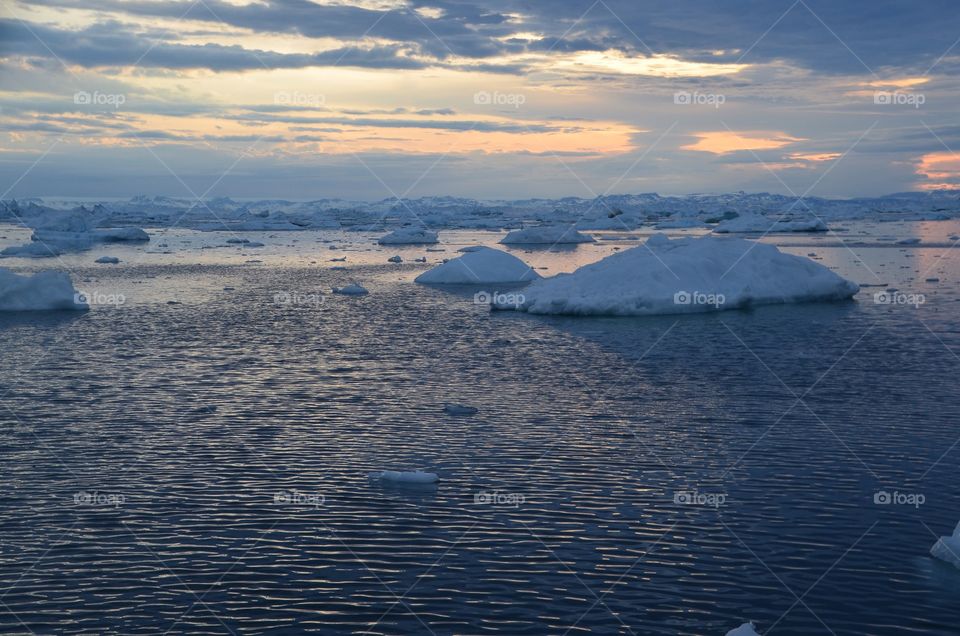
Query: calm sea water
201	467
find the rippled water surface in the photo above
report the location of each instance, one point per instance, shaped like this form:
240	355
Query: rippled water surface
202	467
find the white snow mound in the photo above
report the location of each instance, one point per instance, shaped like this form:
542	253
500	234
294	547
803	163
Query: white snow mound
749	223
747	629
409	236
948	548
685	275
482	266
550	235
40	292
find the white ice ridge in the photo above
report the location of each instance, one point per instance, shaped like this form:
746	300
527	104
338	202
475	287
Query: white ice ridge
477	267
549	235
684	275
405	477
42	291
948	548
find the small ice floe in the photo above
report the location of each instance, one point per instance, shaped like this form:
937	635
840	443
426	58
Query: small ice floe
38	292
548	235
229	288
421	259
254	244
954	237
352	289
112	260
471	248
933	280
409	236
238	240
948	548
460	409
747	629
484	266
338	260
395	259
913	240
405	477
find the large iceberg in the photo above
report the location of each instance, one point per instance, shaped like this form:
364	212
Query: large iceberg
685	275
56	232
948	548
757	223
550	235
409	236
482	266
38	292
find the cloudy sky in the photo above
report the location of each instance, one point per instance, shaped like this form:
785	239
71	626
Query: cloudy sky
372	99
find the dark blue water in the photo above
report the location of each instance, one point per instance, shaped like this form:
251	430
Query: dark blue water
201	468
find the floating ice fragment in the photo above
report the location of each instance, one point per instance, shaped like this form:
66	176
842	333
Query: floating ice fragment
352	289
947	549
113	260
747	629
395	259
460	409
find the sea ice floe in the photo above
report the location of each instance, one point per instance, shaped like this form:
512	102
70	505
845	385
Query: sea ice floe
549	235
395	259
747	629
948	548
41	291
405	477
409	236
684	275
757	223
484	266
352	289
460	409
112	260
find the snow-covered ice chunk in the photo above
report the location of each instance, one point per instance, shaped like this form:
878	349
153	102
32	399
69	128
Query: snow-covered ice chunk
948	548
460	409
747	629
684	275
405	477
409	236
352	289
550	235
113	260
395	259
41	291
483	266
749	223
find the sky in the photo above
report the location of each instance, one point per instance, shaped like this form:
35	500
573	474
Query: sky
374	99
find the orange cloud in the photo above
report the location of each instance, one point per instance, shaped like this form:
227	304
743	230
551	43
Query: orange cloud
941	171
724	141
